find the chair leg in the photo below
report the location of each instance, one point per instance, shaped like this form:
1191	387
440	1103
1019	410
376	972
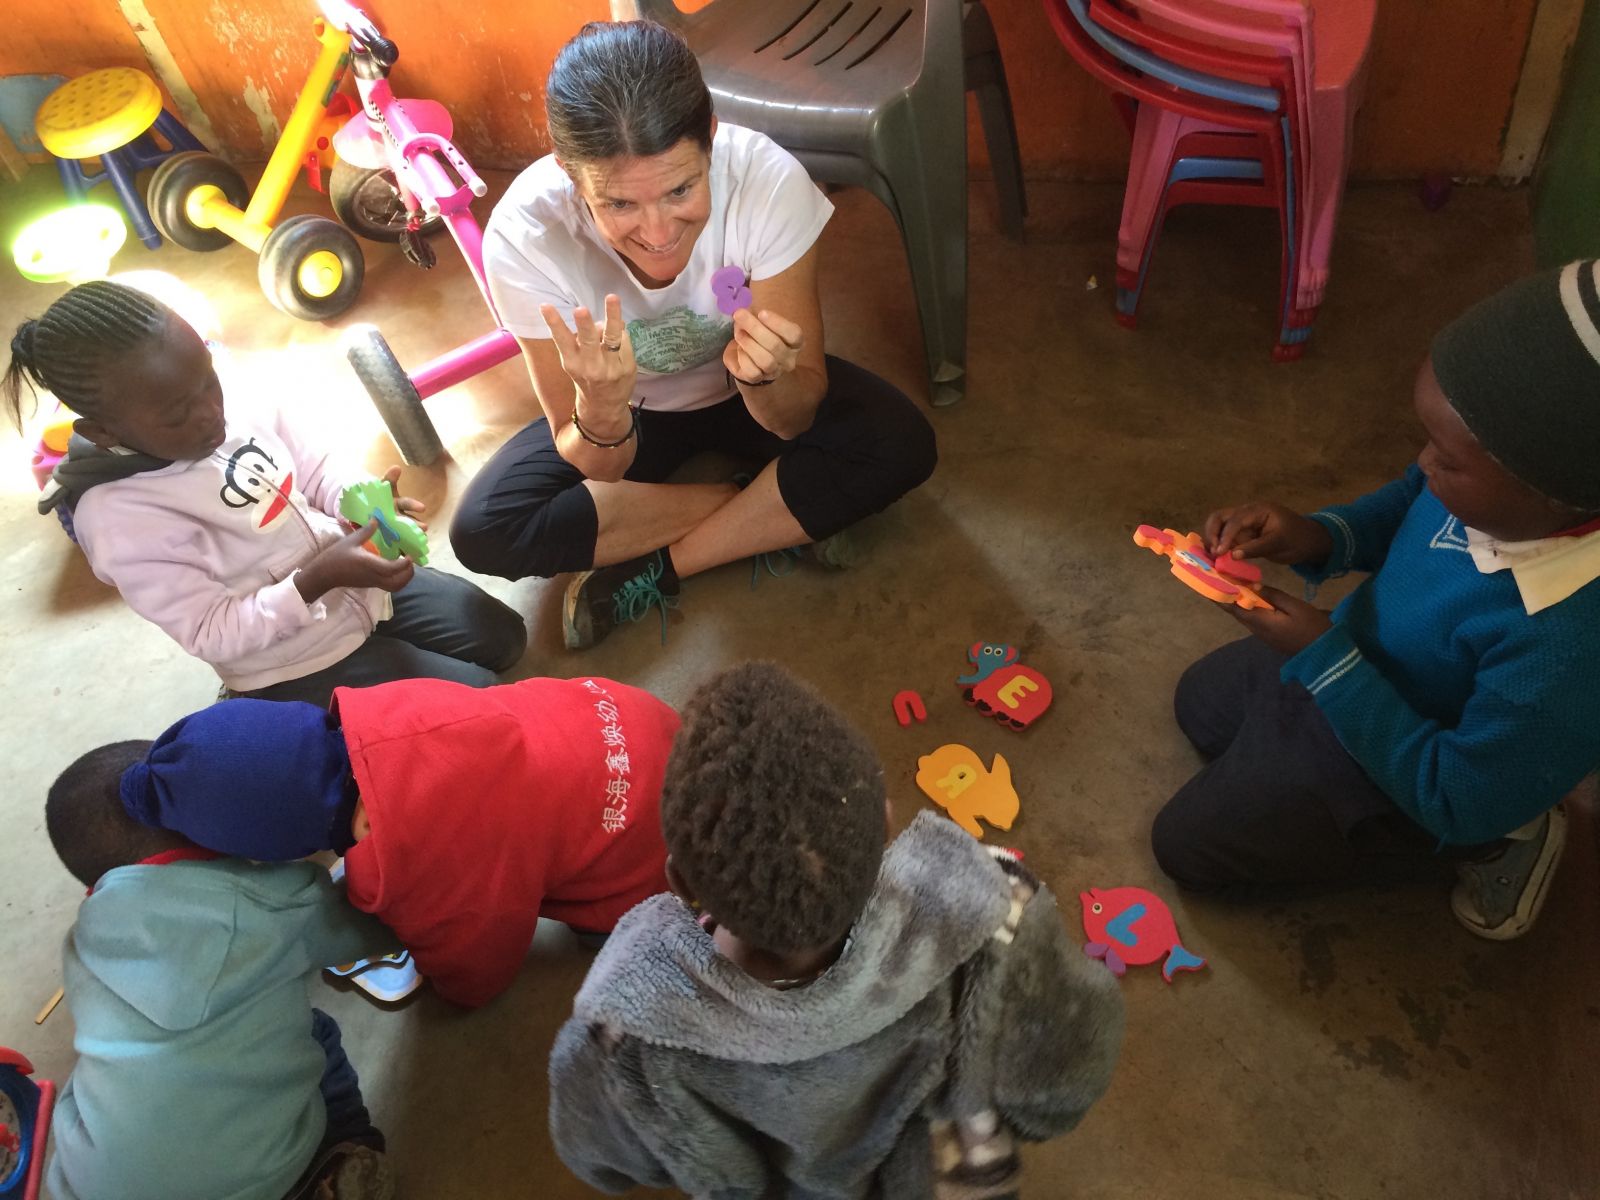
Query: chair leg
132	203
930	193
72	179
143	153
986	77
169	127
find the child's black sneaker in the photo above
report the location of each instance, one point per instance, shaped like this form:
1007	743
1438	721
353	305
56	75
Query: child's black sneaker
599	600
1500	898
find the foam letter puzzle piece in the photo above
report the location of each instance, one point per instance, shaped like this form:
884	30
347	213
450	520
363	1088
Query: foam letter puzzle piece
1132	926
955	779
373	499
908	707
730	286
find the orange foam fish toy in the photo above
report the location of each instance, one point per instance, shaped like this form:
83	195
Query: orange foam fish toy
1225	580
955	779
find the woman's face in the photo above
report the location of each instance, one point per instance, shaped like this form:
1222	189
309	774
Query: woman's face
650	210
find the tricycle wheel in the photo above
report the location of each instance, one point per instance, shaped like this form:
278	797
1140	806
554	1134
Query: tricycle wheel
367	199
311	267
167	197
394	396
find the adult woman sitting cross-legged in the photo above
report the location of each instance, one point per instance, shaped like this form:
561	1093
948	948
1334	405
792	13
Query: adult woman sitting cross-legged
601	258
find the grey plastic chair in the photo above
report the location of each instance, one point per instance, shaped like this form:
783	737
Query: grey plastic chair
872	93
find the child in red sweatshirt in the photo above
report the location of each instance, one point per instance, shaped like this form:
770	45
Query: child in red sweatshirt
464	814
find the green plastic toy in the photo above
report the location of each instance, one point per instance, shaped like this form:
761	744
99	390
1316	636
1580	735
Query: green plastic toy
397	535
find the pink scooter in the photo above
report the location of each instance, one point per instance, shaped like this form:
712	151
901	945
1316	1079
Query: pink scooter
397	159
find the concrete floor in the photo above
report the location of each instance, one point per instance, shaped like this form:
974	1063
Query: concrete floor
1359	1045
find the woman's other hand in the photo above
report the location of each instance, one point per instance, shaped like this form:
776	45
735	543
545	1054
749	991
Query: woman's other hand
599	361
765	347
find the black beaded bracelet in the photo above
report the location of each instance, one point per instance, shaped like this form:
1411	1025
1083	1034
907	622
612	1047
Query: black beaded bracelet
733	379
633	428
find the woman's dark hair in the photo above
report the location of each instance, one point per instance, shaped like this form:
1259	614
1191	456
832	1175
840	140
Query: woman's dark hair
772	809
625	89
75	345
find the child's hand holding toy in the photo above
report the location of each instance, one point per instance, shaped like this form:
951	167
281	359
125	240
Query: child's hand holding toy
383	547
1269	531
348	563
1278	534
1289	626
405	505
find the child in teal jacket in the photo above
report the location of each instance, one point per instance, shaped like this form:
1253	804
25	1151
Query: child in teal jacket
1441	712
203	1072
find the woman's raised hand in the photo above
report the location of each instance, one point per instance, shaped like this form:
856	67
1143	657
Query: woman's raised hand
765	346
599	361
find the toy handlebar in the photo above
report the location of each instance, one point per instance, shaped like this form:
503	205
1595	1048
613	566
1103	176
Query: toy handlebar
361	29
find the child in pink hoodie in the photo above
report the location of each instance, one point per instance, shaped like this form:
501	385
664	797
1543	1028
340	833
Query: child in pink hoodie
222	527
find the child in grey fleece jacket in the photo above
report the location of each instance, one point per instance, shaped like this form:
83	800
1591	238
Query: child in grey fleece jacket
851	1023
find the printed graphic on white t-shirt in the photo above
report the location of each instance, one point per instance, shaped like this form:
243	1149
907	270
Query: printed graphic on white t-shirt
678	340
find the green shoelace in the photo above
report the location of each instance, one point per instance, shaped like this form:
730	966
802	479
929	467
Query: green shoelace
777	563
639	595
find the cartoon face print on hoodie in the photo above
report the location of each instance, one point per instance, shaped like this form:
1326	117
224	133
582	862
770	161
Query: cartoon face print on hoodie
252	480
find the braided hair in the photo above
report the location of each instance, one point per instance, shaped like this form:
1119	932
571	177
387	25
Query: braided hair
773	809
75	345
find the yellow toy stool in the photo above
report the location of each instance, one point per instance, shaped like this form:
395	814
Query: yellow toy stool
109	115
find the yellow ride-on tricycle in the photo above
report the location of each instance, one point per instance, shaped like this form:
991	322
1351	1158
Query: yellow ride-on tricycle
311	267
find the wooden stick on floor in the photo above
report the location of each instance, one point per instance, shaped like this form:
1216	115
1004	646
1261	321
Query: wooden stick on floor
50	1006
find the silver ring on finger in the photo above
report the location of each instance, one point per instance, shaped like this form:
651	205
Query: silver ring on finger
614	347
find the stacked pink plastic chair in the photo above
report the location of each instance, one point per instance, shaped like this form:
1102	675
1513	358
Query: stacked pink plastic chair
1201	74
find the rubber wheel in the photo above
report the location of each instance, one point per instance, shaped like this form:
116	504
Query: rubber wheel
394	396
286	251
169	189
367	200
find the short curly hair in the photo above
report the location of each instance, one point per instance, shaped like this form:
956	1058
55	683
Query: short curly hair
773	809
91	831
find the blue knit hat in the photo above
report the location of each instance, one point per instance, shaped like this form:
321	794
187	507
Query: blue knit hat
256	779
1522	369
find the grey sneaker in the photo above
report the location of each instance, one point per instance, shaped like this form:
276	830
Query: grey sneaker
838	552
355	1172
599	600
1500	897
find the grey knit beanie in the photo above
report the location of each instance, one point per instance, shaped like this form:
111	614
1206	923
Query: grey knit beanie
1522	368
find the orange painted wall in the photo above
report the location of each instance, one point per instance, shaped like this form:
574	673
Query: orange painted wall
1438	94
42	39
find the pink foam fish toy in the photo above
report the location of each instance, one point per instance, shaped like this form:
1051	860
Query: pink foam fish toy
1129	926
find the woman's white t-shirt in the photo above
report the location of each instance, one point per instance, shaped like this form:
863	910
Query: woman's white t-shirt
541	247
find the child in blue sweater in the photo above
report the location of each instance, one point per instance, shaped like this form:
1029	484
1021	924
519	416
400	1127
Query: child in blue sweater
203	1071
1440	713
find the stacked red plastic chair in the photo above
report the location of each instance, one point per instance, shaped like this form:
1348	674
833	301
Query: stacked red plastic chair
1246	102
